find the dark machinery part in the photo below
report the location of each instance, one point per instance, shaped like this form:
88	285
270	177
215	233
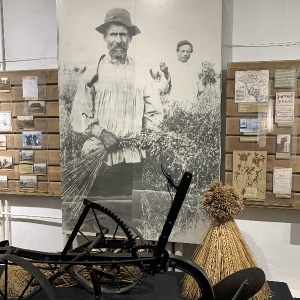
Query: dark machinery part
111	279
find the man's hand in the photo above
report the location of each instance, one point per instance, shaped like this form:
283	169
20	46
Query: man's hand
155	75
163	67
108	139
92	144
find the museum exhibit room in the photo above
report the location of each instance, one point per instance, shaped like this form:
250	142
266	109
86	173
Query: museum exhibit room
149	150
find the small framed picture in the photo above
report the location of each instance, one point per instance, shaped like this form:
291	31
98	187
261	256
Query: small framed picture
40	169
250	125
25	169
32	138
6	162
25	122
28	181
36	107
5	121
26	156
2	142
5	85
3	182
283	143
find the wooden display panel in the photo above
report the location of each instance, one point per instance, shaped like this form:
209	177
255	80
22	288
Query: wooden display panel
267	140
47	122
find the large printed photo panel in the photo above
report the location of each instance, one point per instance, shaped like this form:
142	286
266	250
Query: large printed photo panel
139	89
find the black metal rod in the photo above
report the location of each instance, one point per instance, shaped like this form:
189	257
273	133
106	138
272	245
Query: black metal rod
76	229
241	288
173	213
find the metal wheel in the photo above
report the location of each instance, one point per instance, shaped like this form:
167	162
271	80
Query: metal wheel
20	279
117	235
189	268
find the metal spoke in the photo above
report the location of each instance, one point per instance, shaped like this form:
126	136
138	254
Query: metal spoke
114	235
26	287
128	270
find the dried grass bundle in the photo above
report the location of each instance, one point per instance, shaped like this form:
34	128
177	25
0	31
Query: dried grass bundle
223	250
222	202
18	278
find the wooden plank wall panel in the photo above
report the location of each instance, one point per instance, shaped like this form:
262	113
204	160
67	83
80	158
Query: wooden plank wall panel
49	141
48	123
233	127
21	108
43	124
232	108
294	163
261	65
295	187
16	94
266	141
50	76
272	91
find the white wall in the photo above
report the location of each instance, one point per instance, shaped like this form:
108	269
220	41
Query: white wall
30	34
261	31
252	30
35	222
30	42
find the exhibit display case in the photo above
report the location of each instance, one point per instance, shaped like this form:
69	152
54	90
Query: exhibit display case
262	128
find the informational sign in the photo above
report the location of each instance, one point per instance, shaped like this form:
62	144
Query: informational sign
282	181
285	79
30	87
284	107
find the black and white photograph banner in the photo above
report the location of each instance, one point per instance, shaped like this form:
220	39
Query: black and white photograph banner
139	85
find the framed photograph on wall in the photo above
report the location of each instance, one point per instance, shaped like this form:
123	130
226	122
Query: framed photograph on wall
3	182
40	168
26	156
5	121
25	122
5	85
37	107
32	138
6	162
28	182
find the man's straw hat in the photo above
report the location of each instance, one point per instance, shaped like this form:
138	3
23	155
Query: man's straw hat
118	15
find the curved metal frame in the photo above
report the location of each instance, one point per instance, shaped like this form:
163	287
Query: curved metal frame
196	272
114	287
45	285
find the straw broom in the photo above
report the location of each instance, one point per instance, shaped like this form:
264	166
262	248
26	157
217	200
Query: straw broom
224	250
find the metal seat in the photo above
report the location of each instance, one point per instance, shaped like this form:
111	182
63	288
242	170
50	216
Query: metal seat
240	285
